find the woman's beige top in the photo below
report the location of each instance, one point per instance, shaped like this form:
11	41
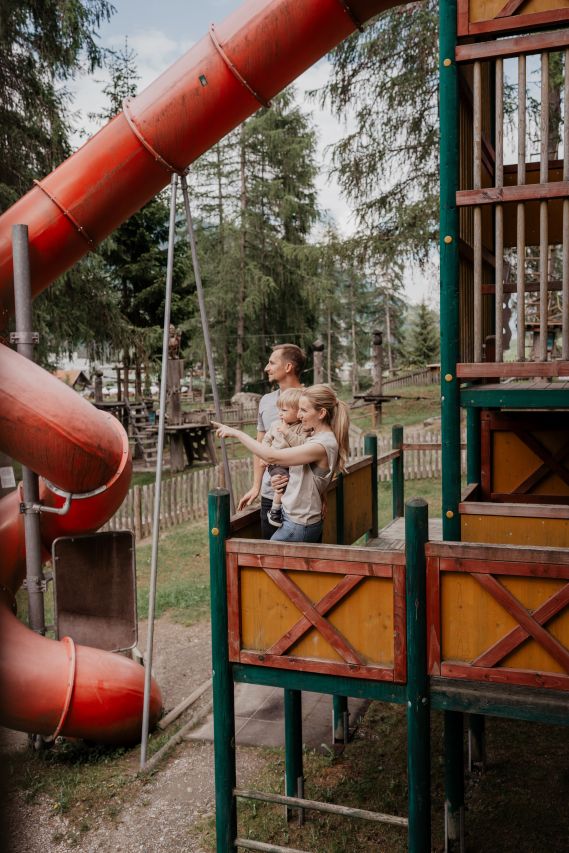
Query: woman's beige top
302	500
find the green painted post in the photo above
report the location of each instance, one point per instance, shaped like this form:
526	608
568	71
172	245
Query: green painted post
370	449
223	709
449	266
418	708
472	446
397	476
454	780
293	742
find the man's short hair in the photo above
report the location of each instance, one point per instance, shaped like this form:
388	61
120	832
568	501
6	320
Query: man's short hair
293	354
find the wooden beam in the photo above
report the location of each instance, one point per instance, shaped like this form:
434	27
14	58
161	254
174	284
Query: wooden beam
517	369
510	8
531	287
529	44
505	195
502	553
514	509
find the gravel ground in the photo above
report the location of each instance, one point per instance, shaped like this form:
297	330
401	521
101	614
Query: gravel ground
163	812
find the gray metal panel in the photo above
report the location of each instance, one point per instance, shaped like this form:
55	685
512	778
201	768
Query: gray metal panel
95	589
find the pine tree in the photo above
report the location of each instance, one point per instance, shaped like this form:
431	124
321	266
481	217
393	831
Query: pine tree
41	46
386	81
423	337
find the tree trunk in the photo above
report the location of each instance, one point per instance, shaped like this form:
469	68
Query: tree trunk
355	385
388	335
241	289
329	349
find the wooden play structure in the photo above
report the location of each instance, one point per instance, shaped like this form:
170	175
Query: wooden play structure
477	623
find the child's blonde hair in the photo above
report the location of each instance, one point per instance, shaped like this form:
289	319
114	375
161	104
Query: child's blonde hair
290	397
337	415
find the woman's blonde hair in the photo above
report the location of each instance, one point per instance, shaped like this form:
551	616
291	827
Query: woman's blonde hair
337	415
290	397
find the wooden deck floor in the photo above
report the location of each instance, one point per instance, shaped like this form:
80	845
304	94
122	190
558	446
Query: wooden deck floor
392	537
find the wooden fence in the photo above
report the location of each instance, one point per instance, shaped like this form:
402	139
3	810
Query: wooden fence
426	376
184	497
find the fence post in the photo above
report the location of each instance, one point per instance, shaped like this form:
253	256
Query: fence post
223	702
370	449
397	475
418	710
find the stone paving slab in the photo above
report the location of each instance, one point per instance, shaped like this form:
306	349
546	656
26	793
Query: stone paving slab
259	717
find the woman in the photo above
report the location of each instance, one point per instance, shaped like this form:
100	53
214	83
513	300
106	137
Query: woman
312	464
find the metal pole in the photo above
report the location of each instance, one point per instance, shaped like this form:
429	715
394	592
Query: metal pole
418	710
25	339
158	486
207	339
223	702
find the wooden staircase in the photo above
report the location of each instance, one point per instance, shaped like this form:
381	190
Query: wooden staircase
143	435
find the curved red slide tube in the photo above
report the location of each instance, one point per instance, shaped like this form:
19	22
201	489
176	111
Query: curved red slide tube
53	687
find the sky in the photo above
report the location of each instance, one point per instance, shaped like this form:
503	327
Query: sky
160	33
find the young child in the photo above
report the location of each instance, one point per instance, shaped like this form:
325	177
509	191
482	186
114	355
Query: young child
286	432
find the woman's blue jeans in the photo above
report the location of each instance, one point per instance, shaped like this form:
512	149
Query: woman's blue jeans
293	532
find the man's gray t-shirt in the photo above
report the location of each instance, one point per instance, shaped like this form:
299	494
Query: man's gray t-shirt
268	413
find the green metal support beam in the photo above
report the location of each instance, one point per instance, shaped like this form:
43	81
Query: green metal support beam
223	701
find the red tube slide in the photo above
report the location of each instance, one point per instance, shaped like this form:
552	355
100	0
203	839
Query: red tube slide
54	687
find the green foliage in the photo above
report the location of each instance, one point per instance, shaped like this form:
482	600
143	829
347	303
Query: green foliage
422	337
41	45
385	80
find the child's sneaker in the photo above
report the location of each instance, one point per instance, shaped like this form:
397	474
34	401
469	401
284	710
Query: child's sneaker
275	516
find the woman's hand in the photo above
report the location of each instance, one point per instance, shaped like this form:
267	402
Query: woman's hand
224	431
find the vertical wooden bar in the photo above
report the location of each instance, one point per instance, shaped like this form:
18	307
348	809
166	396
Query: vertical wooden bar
223	702
476	742
477	184
521	213
499	219
454	780
418	710
293	742
397	473
370	449
543	206
449	268
565	273
340	512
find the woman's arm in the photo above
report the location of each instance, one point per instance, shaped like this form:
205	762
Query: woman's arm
303	455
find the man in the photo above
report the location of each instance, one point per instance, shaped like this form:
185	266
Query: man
284	368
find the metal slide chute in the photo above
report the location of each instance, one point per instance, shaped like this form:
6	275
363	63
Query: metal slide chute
54	687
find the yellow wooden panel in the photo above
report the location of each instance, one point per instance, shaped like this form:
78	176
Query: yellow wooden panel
472	620
365	617
486	10
357	504
504	530
513	461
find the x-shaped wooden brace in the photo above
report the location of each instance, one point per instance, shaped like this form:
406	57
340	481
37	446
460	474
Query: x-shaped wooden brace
530	624
314	615
551	462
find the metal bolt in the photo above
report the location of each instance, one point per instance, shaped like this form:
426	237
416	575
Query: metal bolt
448	377
215	531
448	239
449	513
447	62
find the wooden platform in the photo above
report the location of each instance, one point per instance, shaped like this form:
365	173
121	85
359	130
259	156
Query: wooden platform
532	394
392	537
